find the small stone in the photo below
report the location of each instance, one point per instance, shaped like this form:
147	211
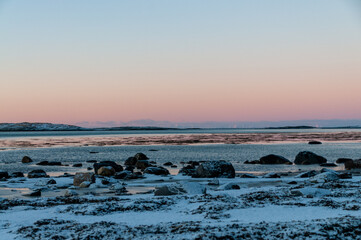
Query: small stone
70	193
85	184
26	159
106	171
78	165
82	177
38	173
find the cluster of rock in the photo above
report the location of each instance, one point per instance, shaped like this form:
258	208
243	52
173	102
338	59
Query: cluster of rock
302	158
209	169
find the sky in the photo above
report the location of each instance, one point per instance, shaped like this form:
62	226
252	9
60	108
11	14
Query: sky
183	61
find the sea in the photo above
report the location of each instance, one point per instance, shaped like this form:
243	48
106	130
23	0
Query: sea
237	154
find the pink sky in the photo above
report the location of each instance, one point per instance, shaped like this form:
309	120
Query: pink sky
62	65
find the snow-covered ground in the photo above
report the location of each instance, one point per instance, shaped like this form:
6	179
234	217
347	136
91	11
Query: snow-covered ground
310	208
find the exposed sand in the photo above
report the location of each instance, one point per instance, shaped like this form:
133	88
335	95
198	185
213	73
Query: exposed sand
180	139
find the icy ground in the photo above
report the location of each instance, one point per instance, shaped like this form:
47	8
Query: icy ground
262	208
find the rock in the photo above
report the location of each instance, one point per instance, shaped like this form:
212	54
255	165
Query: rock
307	174
156	170
85	184
17	174
274	159
26	159
296	193
142	164
122	175
247	175
168	164
153	150
135	175
51	181
105	182
112	164
345	175
229	186
89	168
314	142
292	183
307	158
106	171
118	188
93	152
214	182
180	188
188	170
215	169
193	163
38	173
78	165
252	162
328	165
328	170
4	175
272	175
353	164
174	166
83	177
343	160
36	193
140	156
70	193
325	177
129	168
47	163
131	161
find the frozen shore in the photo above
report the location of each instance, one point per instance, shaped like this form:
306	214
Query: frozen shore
290	207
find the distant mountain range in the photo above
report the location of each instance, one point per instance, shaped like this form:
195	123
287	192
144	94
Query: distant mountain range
164	125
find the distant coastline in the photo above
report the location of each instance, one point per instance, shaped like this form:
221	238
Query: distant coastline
39	127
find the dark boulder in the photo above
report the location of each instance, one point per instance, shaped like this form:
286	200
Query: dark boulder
307	158
272	175
47	163
112	164
156	170
81	177
168	164
26	159
91	161
314	142
77	165
122	175
142	164
37	173
17	174
50	182
140	156
213	169
343	160
131	161
353	164
4	175
188	170
274	159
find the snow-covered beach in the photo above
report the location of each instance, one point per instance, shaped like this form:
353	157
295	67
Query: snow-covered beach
160	196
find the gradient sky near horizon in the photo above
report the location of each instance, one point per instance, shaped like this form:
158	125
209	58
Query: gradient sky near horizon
204	60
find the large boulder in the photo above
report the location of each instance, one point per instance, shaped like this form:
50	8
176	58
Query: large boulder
307	158
131	161
37	173
353	164
106	171
83	177
188	170
156	170
112	164
343	160
4	175
140	156
26	159
215	169
274	159
142	164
